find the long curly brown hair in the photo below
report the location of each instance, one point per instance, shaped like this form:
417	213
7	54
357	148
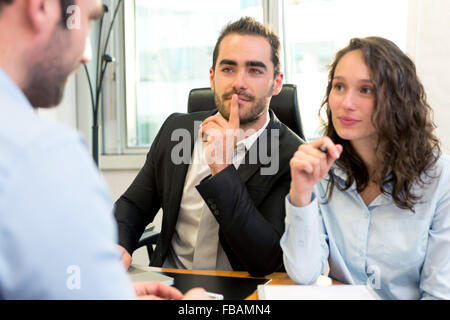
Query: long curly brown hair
406	148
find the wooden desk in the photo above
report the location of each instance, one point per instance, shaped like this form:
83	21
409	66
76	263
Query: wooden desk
280	278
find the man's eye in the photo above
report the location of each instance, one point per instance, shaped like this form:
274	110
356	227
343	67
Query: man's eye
255	71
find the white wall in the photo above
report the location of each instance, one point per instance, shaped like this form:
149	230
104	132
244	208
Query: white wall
432	57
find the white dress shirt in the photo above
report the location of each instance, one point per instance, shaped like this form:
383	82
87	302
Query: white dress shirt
195	243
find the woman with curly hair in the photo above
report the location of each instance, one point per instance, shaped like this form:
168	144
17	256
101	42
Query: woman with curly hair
373	195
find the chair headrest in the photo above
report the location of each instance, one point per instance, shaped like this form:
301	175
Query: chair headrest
284	105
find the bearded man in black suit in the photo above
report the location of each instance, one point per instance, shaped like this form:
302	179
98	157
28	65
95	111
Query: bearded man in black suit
222	188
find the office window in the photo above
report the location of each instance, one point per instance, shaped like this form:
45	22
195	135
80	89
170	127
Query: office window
315	29
167	51
171	53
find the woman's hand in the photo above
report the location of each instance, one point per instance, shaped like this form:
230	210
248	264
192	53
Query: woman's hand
309	165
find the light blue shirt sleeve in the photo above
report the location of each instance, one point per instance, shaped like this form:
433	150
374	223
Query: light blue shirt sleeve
399	253
57	234
305	249
435	276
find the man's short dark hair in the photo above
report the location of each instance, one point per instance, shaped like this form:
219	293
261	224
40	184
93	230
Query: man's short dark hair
64	5
249	26
4	2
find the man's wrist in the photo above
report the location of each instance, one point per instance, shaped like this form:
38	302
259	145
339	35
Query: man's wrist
216	168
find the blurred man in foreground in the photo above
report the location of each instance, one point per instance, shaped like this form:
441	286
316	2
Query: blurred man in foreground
57	232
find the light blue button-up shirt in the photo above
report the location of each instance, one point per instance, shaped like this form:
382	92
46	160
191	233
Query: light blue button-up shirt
57	232
400	254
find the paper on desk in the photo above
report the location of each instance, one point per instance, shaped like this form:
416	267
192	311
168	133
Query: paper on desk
314	292
143	274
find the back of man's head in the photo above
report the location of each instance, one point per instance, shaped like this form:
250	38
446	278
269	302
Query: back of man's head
3	3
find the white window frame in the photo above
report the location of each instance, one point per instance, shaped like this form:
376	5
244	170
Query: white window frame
131	158
123	48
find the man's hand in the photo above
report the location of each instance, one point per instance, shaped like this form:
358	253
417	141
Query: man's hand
155	290
196	294
309	165
126	257
221	137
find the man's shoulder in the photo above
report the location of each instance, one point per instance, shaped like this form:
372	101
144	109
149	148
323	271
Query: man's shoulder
50	157
27	130
286	133
289	140
291	136
36	139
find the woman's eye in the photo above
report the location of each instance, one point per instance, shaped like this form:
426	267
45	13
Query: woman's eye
367	90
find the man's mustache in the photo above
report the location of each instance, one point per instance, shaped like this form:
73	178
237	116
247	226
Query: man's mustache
244	94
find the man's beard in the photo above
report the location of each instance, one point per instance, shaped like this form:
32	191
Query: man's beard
48	74
45	86
255	111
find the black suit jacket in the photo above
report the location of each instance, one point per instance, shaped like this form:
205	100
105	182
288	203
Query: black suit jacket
248	205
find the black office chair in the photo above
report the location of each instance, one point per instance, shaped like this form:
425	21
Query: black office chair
148	239
284	105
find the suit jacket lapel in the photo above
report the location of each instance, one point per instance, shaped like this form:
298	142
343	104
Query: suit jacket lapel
252	163
180	171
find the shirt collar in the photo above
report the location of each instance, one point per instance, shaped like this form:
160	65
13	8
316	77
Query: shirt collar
338	173
10	89
341	177
248	142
